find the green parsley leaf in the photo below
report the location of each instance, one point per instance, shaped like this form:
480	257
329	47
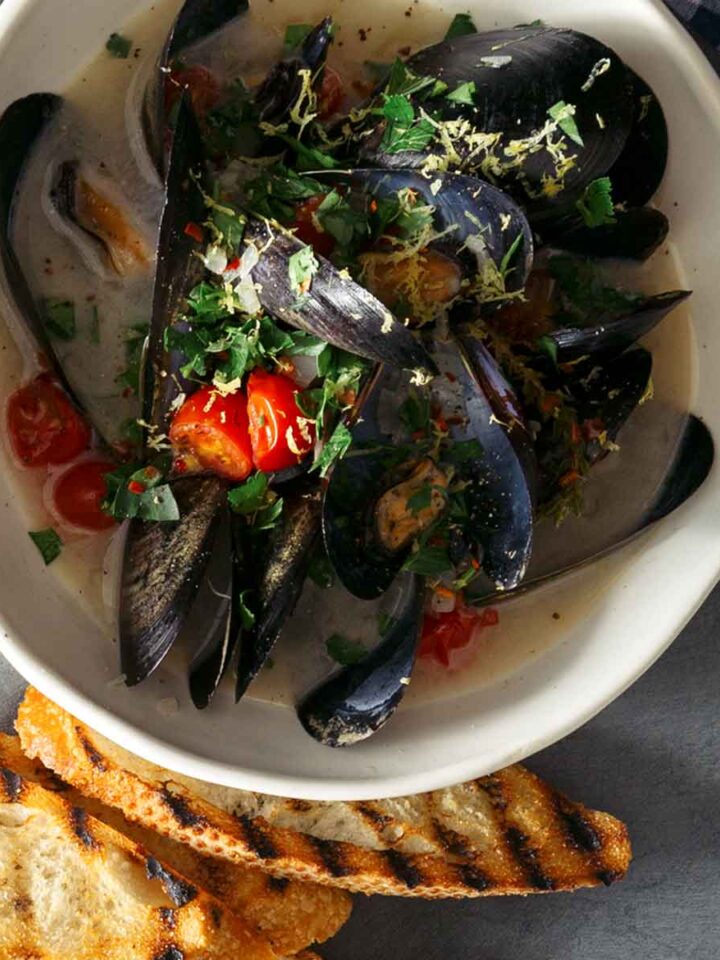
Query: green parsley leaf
277	190
462	24
344	651
250	495
270	515
48	543
415	411
428	561
463	93
403	81
398	109
420	500
59	318
228	225
247	616
336	447
463	450
129	378
547	346
338	218
295	33
398	138
302	267
309	158
564	115
509	254
156	502
596	205
118	45
583	293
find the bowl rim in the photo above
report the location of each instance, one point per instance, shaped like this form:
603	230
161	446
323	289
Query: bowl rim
706	83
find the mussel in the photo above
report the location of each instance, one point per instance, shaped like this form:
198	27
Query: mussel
540	110
361	698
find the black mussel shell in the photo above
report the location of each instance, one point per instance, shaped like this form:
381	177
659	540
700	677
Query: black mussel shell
197	19
178	269
469	209
639	169
20	127
282	87
635	235
163	564
360	699
498	495
519	75
612	336
335	308
282	567
222	585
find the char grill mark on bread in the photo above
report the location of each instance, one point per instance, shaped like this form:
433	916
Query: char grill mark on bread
507	833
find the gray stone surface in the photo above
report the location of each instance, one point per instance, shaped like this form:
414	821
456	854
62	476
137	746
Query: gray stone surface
653	759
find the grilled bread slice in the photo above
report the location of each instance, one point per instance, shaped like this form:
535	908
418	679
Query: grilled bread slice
289	914
72	888
506	833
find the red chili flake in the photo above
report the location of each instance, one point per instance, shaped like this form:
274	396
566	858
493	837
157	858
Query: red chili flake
233	265
569	479
575	433
151	473
441	423
373	206
194	230
136	487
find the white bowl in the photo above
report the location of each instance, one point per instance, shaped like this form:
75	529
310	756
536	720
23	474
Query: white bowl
650	590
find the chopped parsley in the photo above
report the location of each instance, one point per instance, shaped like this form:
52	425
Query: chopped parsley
118	45
129	378
564	115
276	191
403	132
295	34
139	492
583	293
429	561
463	93
461	25
48	543
255	500
335	448
342	221
344	651
302	267
247	615
596	205
415	411
59	318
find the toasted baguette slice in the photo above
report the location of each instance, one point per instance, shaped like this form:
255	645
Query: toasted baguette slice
506	833
290	914
72	888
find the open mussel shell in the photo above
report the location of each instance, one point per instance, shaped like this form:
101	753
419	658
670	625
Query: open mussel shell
178	269
221	585
360	699
639	170
196	20
282	566
519	75
335	308
498	494
612	336
634	235
283	85
163	565
479	221
22	124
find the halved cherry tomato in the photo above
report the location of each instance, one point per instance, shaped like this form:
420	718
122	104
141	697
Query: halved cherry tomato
279	433
202	85
78	492
306	229
212	431
331	94
44	427
444	632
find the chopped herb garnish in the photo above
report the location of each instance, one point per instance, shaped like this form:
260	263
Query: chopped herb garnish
277	190
134	344
596	205
302	267
429	561
564	115
48	543
404	82
509	254
139	492
462	24
402	130
463	450
119	46
344	651
247	616
463	93
251	495
342	221
59	318
295	33
584	295
335	448
415	411
547	346
420	500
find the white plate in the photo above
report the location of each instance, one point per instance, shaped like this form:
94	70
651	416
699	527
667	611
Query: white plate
652	589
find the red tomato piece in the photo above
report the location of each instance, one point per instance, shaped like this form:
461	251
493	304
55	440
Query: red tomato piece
78	493
331	94
212	431
306	229
202	85
444	632
281	437
45	428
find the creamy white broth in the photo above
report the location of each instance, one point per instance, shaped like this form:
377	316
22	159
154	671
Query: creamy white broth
93	128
